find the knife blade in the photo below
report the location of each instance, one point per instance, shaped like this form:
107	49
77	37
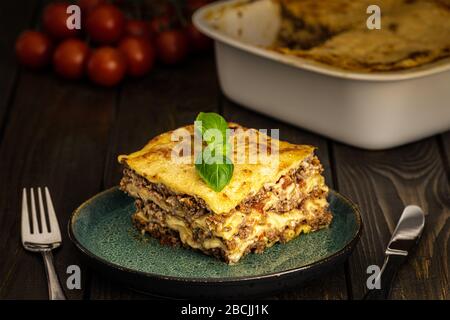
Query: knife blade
405	237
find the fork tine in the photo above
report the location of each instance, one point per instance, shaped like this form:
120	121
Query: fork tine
33	213
54	227
25	217
42	212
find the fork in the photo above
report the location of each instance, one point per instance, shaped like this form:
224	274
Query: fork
43	239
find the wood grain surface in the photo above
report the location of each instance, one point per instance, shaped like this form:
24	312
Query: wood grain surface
67	136
14	18
56	136
444	139
382	183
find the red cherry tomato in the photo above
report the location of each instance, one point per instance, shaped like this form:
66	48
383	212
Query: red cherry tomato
105	24
106	66
197	40
160	24
139	53
33	49
171	46
54	21
69	58
138	28
86	6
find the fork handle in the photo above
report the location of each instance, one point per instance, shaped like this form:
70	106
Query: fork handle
55	292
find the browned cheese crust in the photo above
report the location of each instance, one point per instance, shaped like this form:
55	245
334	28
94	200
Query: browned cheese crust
334	32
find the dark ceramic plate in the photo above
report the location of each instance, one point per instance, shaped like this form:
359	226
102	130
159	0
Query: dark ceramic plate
101	228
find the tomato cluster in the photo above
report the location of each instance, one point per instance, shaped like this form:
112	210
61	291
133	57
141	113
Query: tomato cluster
110	45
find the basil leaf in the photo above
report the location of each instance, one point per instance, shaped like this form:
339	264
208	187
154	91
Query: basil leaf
214	167
211	120
216	174
220	149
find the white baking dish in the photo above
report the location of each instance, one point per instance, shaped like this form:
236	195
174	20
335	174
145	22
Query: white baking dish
373	111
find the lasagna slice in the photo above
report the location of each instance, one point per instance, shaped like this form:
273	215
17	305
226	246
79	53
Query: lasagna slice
273	199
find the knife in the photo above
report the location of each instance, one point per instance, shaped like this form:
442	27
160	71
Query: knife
405	237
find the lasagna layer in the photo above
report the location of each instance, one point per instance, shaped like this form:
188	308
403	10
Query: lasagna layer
413	33
157	164
283	195
231	237
278	212
272	199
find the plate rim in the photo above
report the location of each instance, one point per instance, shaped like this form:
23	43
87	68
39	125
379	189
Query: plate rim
117	267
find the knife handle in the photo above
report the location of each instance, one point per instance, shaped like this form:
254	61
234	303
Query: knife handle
387	274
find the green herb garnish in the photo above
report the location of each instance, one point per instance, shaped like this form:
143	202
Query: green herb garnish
213	165
210	120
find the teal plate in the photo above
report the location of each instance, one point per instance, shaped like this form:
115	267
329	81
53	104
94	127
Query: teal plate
101	228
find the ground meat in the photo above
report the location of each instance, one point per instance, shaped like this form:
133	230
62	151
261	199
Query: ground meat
200	235
244	231
289	190
286	194
165	235
151	219
190	205
151	211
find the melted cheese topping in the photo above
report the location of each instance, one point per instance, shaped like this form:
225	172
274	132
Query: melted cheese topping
336	15
156	164
413	33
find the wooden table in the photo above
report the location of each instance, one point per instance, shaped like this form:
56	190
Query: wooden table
67	135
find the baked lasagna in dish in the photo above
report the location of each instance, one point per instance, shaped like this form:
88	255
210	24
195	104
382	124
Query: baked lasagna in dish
334	32
272	200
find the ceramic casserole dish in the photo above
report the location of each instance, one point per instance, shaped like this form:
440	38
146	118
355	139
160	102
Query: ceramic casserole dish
367	110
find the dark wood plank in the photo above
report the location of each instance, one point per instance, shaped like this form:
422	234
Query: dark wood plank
164	100
56	136
382	183
15	17
445	144
333	285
